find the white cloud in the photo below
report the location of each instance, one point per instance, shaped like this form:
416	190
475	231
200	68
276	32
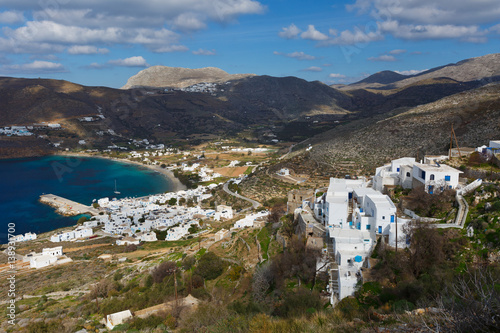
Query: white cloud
313	34
383	57
290	32
432	19
422	32
495	28
313	69
337	76
348	37
434	12
204	52
11	17
96	65
35	67
149	23
9	45
49	57
170	48
87	49
189	22
297	55
137	61
113	11
411	71
397	51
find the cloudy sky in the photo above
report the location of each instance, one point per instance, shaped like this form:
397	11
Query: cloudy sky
103	42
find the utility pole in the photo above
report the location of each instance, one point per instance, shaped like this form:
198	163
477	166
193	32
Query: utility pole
453	135
396	219
175	283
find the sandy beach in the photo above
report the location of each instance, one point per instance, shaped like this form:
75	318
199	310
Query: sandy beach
176	184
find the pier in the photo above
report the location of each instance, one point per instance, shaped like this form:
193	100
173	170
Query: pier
67	207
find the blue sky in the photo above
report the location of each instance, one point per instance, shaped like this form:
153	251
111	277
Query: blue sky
103	43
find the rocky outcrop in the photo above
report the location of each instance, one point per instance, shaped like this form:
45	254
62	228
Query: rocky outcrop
178	77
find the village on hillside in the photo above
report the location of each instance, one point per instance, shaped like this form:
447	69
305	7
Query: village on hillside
344	221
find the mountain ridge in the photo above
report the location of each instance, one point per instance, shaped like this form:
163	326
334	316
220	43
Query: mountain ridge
179	77
485	68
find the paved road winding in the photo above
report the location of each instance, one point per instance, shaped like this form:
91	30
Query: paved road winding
254	203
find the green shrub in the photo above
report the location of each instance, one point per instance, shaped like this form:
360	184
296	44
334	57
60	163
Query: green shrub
402	305
210	266
349	307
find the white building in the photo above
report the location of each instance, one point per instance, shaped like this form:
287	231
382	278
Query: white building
249	220
495	144
223	212
284	172
128	241
103	202
117	318
147	236
354	216
333	208
79	232
48	257
406	172
53	251
351	248
398	172
221	234
23	238
436	177
40	261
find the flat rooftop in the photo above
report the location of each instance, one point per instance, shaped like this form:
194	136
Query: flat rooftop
436	168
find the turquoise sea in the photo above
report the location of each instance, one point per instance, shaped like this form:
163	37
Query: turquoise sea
80	179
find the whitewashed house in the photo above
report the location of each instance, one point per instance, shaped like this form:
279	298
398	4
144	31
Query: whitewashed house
435	178
82	232
249	220
221	234
128	241
48	257
39	261
223	212
62	236
406	172
333	208
398	172
117	318
284	172
103	202
23	238
91	223
147	236
53	251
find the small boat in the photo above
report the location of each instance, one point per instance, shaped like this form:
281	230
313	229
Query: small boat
116	191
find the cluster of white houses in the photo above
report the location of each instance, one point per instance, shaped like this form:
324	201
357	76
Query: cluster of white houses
408	173
49	256
137	218
23	238
79	232
353	215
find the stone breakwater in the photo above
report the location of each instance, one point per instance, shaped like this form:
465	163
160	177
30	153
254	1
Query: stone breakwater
65	206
